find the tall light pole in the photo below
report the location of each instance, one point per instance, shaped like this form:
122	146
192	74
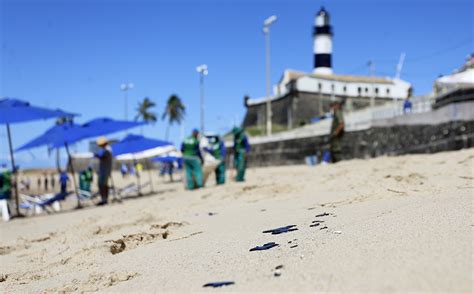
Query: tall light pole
125	88
266	30
202	70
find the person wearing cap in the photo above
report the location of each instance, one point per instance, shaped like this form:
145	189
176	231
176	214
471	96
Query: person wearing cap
337	130
217	150
105	168
241	148
193	160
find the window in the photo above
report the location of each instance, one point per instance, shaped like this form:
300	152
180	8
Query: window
376	91
319	87
332	87
344	89
366	90
388	91
359	90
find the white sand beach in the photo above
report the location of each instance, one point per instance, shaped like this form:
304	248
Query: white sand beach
396	224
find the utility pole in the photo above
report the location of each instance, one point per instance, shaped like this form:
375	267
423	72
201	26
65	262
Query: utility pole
203	71
266	30
125	88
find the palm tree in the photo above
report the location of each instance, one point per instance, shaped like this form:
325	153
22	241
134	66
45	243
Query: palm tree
144	113
174	112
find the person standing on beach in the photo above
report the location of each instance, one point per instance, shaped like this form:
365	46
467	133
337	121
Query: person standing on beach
63	179
46	182
53	182
85	179
241	149
28	183
193	161
218	151
105	168
337	131
5	183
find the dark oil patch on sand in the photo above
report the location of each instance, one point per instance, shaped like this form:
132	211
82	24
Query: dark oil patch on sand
281	230
219	284
265	246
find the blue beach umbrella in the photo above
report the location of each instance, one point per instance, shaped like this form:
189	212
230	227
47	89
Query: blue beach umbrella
57	135
63	135
17	111
167	159
135	143
97	127
67	134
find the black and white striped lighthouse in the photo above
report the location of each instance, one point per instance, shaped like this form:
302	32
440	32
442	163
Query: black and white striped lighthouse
322	43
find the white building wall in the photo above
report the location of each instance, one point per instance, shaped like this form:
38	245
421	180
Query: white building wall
397	89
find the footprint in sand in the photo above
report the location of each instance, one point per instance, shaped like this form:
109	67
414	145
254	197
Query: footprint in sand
107	229
132	241
96	282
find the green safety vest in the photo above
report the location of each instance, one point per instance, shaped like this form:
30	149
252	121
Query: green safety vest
238	143
190	146
216	150
5	184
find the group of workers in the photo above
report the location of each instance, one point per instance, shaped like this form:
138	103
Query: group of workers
192	150
194	161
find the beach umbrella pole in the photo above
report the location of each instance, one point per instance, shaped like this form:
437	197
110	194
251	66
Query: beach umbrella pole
12	158
151	178
73	175
138	182
114	192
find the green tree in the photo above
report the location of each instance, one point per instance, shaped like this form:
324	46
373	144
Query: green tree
174	112
144	112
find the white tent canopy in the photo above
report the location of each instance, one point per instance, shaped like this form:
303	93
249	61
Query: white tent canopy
150	153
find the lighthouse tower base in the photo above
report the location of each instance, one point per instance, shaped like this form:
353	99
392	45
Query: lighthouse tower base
323	71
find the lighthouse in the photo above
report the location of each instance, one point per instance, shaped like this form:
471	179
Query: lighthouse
322	43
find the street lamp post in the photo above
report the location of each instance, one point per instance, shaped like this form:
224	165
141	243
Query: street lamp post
125	88
203	71
266	30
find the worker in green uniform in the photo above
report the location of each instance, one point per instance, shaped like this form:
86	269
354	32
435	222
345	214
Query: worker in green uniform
5	183
5	191
85	179
241	148
337	130
217	149
193	161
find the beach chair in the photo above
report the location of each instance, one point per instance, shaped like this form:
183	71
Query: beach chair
86	195
132	188
48	202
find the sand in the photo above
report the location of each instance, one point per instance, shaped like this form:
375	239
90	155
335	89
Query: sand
396	224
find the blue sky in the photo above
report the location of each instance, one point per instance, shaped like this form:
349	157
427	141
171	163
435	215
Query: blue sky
75	54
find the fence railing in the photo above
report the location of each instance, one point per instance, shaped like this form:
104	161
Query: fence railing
356	120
